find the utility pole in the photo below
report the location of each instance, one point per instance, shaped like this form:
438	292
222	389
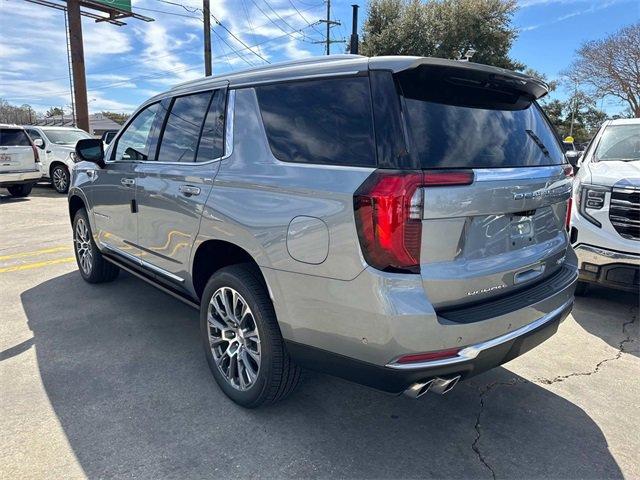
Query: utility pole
573	110
77	62
353	49
207	37
329	23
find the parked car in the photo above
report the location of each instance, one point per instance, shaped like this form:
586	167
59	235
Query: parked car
405	260
19	161
108	136
57	152
605	219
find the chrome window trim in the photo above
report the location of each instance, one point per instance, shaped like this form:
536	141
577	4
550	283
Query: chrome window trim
472	351
517	173
291	78
228	136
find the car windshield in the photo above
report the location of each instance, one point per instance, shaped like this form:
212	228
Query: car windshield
619	142
66	137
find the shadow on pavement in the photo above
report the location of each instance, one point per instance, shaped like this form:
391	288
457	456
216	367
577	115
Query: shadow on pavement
123	369
593	313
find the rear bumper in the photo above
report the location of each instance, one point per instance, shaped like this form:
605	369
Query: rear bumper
19	177
610	268
473	360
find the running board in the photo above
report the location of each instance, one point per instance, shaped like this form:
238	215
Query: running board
152	282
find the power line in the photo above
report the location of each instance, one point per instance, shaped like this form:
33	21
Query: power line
237	39
302	16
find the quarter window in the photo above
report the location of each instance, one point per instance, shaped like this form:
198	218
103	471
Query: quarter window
212	139
135	141
325	121
179	141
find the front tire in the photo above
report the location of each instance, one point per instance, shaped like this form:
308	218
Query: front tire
60	178
92	265
242	340
20	191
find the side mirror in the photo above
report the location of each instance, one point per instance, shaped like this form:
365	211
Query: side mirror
91	150
38	142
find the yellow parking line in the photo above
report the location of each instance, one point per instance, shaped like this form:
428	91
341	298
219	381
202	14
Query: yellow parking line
35	252
29	266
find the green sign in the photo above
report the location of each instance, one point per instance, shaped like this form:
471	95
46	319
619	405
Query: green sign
119	4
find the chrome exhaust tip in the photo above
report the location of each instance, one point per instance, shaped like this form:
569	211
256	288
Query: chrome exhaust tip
444	385
418	389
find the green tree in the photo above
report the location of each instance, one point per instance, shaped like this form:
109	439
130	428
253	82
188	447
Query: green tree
119	118
442	28
587	118
54	112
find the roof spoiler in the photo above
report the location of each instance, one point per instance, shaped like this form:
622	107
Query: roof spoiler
468	72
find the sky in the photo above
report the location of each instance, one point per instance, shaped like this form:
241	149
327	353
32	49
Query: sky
126	65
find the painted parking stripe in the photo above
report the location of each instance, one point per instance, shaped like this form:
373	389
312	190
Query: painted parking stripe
36	252
29	266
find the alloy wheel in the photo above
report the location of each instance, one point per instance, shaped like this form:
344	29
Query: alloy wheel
60	181
82	242
233	338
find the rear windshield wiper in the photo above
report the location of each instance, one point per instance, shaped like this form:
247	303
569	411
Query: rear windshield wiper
538	142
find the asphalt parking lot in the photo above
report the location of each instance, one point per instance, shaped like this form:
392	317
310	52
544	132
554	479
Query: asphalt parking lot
110	381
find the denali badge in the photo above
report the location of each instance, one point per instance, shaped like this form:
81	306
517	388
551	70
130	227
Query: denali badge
485	290
543	192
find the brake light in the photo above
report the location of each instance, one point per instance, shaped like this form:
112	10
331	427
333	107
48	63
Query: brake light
567	221
568	170
388	213
428	356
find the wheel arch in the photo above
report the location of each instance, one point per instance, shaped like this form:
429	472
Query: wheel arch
212	255
54	163
76	202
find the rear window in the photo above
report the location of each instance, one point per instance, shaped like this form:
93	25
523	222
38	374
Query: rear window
13	137
325	121
460	126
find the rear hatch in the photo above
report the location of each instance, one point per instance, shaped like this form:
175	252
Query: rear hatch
17	154
503	229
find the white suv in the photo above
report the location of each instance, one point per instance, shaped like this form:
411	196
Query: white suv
19	162
57	145
605	218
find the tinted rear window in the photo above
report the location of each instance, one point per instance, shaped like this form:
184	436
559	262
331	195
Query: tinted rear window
455	126
12	137
325	121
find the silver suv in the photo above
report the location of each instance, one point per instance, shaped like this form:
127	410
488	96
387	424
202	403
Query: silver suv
395	221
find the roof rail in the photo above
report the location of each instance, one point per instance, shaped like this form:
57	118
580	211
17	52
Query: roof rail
271	67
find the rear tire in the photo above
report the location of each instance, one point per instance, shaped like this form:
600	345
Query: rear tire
245	349
582	288
60	178
93	267
20	191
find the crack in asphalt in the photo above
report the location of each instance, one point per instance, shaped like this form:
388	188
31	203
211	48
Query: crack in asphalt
515	381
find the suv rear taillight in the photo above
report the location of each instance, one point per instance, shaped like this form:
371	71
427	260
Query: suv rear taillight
388	213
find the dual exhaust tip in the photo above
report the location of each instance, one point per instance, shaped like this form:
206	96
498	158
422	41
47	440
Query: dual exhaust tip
435	385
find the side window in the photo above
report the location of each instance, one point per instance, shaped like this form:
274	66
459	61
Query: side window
212	139
134	143
325	121
14	137
34	134
179	141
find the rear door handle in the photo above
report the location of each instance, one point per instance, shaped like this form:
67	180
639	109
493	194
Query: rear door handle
127	182
189	190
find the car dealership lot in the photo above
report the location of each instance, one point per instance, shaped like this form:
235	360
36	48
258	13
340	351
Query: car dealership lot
110	380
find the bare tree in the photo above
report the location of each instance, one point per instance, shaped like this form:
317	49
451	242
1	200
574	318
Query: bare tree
611	67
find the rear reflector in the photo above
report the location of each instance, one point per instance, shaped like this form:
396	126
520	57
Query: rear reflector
428	356
567	221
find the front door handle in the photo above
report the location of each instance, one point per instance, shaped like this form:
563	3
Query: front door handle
127	182
189	190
